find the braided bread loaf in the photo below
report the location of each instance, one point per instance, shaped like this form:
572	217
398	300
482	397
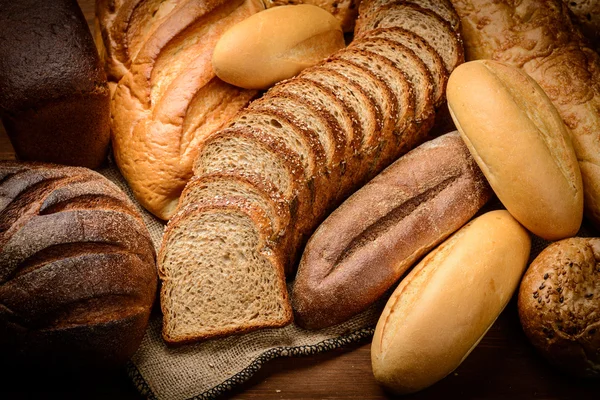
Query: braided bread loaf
264	182
77	267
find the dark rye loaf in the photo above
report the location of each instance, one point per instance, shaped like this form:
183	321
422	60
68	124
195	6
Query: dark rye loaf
54	98
77	268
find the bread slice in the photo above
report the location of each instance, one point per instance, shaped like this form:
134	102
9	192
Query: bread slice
258	191
248	152
362	106
326	101
424	51
442	8
300	140
404	96
405	60
425	23
219	275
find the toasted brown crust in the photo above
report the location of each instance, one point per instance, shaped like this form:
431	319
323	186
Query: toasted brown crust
77	267
559	305
370	241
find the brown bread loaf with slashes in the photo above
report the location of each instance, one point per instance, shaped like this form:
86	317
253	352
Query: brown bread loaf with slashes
376	235
77	268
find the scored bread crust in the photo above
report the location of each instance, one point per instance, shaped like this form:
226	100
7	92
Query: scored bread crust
77	267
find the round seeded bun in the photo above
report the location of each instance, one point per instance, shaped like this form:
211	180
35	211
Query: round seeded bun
559	305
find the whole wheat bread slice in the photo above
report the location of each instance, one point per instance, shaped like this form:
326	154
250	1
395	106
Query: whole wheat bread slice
424	51
297	138
425	23
325	101
404	96
442	8
405	60
219	274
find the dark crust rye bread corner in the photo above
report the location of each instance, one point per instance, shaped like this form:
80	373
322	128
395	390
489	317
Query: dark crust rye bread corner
54	98
77	268
376	235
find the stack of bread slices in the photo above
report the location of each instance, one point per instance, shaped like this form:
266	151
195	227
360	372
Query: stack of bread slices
263	183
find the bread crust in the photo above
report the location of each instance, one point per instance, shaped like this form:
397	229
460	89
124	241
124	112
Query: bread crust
559	303
62	114
77	268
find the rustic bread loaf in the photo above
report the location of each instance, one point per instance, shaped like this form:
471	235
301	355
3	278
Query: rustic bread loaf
446	304
54	98
376	235
442	8
539	37
559	303
312	141
77	268
167	98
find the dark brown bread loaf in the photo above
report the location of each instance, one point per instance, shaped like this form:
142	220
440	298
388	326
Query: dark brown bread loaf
54	98
77	268
559	304
372	239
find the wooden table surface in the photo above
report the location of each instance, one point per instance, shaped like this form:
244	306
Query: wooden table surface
502	366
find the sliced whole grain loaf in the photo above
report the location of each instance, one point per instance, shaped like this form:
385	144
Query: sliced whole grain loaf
403	94
236	286
425	23
363	107
405	60
322	99
442	8
297	138
258	191
424	51
301	112
248	152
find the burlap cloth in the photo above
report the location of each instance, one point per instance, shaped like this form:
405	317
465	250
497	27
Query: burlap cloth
209	369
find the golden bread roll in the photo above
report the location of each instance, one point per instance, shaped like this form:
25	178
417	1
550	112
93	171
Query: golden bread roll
521	144
276	44
447	303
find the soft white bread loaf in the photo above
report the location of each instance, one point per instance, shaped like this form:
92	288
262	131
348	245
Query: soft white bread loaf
447	303
521	144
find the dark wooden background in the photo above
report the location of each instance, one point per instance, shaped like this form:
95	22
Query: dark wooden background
503	366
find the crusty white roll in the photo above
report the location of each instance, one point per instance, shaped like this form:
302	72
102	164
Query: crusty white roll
276	44
521	145
447	303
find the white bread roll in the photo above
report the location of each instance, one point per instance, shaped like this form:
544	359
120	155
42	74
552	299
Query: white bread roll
447	303
276	44
521	145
